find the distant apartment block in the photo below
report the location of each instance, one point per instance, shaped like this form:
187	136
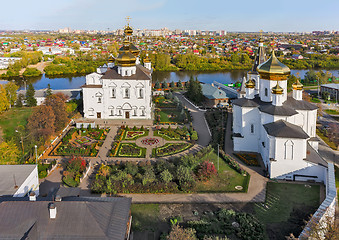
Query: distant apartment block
6	61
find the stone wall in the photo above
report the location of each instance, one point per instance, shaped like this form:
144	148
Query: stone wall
326	211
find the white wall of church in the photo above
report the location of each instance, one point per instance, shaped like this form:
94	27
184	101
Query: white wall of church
266	86
119	99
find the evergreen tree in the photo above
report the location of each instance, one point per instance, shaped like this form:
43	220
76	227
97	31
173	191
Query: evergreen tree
157	85
49	90
30	99
19	100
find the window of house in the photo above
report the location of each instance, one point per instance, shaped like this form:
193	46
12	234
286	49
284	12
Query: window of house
126	93
141	93
263	144
113	93
91	112
99	99
142	112
120	112
252	128
266	92
111	113
134	112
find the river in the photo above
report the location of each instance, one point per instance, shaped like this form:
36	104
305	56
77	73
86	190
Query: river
205	77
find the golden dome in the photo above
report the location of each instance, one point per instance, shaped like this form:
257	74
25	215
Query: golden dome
250	84
126	58
277	89
128	30
111	59
134	50
147	59
297	85
273	69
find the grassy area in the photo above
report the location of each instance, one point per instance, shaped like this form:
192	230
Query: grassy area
315	100
331	111
165	115
286	206
326	140
11	119
226	180
145	216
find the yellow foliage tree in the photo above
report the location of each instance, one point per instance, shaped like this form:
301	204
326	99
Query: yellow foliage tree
4	103
9	153
11	89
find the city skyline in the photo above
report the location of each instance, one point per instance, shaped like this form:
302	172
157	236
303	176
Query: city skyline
292	16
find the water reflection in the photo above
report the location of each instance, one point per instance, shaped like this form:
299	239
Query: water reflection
206	77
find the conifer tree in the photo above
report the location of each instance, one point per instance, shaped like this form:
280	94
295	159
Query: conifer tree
30	99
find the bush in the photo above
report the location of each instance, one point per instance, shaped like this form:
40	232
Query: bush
206	171
185	177
131	168
166	176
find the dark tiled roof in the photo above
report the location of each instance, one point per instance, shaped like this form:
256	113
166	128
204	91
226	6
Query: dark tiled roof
285	129
278	110
244	102
299	105
314	157
141	74
76	218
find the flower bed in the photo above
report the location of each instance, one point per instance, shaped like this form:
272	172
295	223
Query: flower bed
130	150
150	141
249	159
73	171
171	133
131	135
170	149
84	142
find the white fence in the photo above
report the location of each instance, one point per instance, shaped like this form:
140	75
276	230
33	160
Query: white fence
326	211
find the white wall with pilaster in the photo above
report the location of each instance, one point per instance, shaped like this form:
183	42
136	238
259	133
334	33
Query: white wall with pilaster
30	184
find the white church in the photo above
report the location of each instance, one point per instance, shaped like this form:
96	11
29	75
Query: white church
280	127
122	90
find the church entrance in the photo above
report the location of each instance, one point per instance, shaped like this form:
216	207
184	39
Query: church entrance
98	114
127	115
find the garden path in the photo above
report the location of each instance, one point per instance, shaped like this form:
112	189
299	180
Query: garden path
198	121
106	146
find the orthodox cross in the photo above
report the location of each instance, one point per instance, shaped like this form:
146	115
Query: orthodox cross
128	19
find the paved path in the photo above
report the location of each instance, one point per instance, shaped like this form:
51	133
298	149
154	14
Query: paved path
199	121
50	184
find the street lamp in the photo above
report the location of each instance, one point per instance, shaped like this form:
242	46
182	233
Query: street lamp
36	154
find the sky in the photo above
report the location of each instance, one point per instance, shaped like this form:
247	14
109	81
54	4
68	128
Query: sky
235	15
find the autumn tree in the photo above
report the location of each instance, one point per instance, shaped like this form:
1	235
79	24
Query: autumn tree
11	89
179	233
58	106
9	152
30	99
4	103
41	122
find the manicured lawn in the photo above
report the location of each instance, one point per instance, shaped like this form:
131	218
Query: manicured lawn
226	180
145	216
165	115
331	111
11	119
315	100
286	207
326	140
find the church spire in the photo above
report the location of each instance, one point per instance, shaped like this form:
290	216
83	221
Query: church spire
260	56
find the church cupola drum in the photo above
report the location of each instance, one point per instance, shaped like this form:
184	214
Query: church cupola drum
271	71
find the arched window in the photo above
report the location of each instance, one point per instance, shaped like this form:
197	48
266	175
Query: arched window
266	92
289	150
99	99
141	93
126	93
113	93
91	112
